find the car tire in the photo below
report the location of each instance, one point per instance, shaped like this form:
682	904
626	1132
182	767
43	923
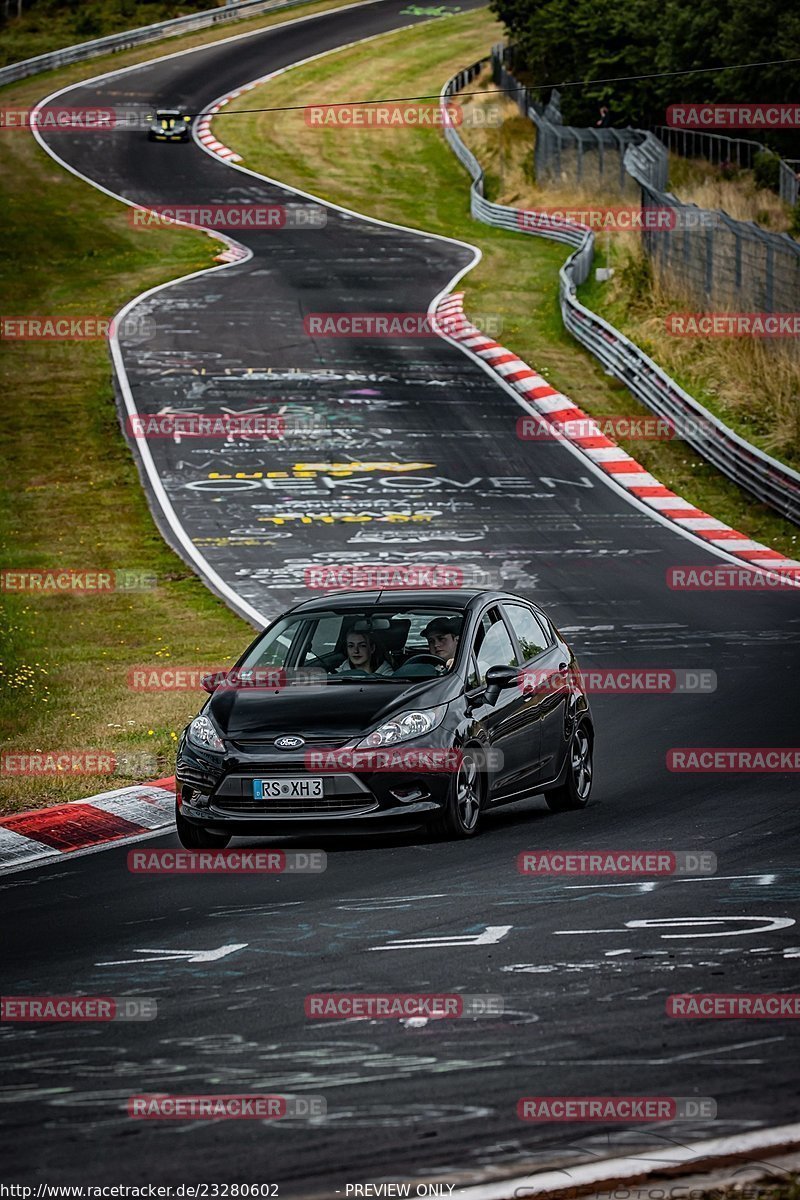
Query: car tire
574	792
194	837
460	816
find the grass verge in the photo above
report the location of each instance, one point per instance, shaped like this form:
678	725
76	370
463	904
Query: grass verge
71	496
410	176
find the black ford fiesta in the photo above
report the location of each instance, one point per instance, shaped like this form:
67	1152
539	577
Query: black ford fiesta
384	710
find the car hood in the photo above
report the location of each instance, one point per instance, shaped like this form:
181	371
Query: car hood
336	711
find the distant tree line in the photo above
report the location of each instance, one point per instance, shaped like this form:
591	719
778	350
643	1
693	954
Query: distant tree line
96	13
575	40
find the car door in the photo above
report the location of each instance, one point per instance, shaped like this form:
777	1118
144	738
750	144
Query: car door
545	686
507	722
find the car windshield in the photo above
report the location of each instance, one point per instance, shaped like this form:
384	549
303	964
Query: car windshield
167	119
381	644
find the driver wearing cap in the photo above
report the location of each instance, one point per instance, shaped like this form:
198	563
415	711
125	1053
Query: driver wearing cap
442	634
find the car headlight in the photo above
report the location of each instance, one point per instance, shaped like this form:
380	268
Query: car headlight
203	734
404	727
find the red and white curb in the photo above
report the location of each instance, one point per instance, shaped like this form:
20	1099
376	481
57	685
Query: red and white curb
545	401
50	833
667	1160
203	128
205	135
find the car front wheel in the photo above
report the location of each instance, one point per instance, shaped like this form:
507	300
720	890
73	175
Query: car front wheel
194	837
460	816
574	792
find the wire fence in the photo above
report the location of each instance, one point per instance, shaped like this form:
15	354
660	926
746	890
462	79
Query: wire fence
703	255
770	481
718	149
568	154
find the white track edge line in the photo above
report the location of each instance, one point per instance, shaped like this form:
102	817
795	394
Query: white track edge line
651	1162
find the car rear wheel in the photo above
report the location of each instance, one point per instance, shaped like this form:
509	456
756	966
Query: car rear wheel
460	817
194	837
574	792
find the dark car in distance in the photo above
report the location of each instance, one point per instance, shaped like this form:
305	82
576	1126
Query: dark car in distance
169	125
383	710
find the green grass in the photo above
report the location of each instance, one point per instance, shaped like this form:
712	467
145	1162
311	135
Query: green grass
47	26
410	176
71	495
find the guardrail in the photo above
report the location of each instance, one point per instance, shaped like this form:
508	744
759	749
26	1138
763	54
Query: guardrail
114	42
764	477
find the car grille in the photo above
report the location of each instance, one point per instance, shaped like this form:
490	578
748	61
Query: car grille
267	744
308	805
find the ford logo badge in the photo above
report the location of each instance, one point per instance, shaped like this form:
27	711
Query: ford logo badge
289	743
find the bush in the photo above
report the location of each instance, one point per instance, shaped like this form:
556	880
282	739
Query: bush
766	168
728	170
636	277
87	25
794	221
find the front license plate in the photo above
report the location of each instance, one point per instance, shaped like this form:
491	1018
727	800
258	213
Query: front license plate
287	789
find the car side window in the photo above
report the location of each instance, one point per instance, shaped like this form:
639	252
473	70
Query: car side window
532	635
326	634
494	648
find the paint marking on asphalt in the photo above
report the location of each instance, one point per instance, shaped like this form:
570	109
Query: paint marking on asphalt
490	936
763	880
773	923
193	956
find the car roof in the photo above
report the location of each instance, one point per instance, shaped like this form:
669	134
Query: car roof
169	112
400	598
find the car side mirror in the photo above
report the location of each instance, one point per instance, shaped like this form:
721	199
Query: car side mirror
211	681
497	679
